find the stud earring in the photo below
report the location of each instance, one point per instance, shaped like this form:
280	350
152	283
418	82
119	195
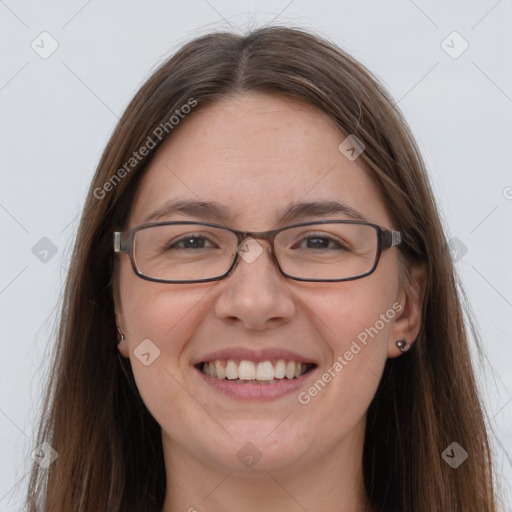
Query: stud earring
120	335
403	345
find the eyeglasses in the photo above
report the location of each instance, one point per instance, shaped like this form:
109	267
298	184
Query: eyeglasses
196	252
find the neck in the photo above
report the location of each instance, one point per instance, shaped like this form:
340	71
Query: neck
333	483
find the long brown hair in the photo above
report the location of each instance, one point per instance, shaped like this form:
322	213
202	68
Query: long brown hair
109	446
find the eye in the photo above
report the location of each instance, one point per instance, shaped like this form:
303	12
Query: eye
321	242
190	242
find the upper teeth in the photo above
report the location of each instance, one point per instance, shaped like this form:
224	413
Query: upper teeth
249	370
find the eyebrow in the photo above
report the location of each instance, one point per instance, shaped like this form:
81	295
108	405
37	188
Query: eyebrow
211	210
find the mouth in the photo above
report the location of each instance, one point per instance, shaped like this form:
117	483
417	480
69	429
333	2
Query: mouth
254	372
244	373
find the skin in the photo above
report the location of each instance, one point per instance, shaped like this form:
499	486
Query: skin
255	153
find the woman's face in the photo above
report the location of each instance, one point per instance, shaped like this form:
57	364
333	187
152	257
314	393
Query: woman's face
255	155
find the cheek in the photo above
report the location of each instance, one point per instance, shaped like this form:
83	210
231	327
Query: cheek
159	320
158	311
354	319
356	312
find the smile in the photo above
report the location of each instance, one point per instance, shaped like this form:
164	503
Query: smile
250	372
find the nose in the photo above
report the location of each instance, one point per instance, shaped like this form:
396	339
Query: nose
255	294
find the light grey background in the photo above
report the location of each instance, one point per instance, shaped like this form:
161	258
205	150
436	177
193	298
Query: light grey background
58	112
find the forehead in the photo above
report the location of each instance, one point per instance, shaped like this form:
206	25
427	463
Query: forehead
255	153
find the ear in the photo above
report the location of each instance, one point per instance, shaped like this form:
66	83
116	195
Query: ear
407	323
122	346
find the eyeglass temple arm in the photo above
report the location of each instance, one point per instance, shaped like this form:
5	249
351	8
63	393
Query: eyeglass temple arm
120	242
390	238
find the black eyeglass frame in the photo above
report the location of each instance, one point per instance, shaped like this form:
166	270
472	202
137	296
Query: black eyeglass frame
123	243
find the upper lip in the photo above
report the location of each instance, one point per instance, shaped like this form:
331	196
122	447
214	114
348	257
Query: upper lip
256	355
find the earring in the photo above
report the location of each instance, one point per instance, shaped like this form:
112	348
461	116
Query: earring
120	335
403	345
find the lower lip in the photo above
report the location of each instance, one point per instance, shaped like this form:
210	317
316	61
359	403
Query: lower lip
256	391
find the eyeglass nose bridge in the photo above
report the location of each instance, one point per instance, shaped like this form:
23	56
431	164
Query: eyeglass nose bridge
245	238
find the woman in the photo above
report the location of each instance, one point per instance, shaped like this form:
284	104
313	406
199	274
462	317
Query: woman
261	310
